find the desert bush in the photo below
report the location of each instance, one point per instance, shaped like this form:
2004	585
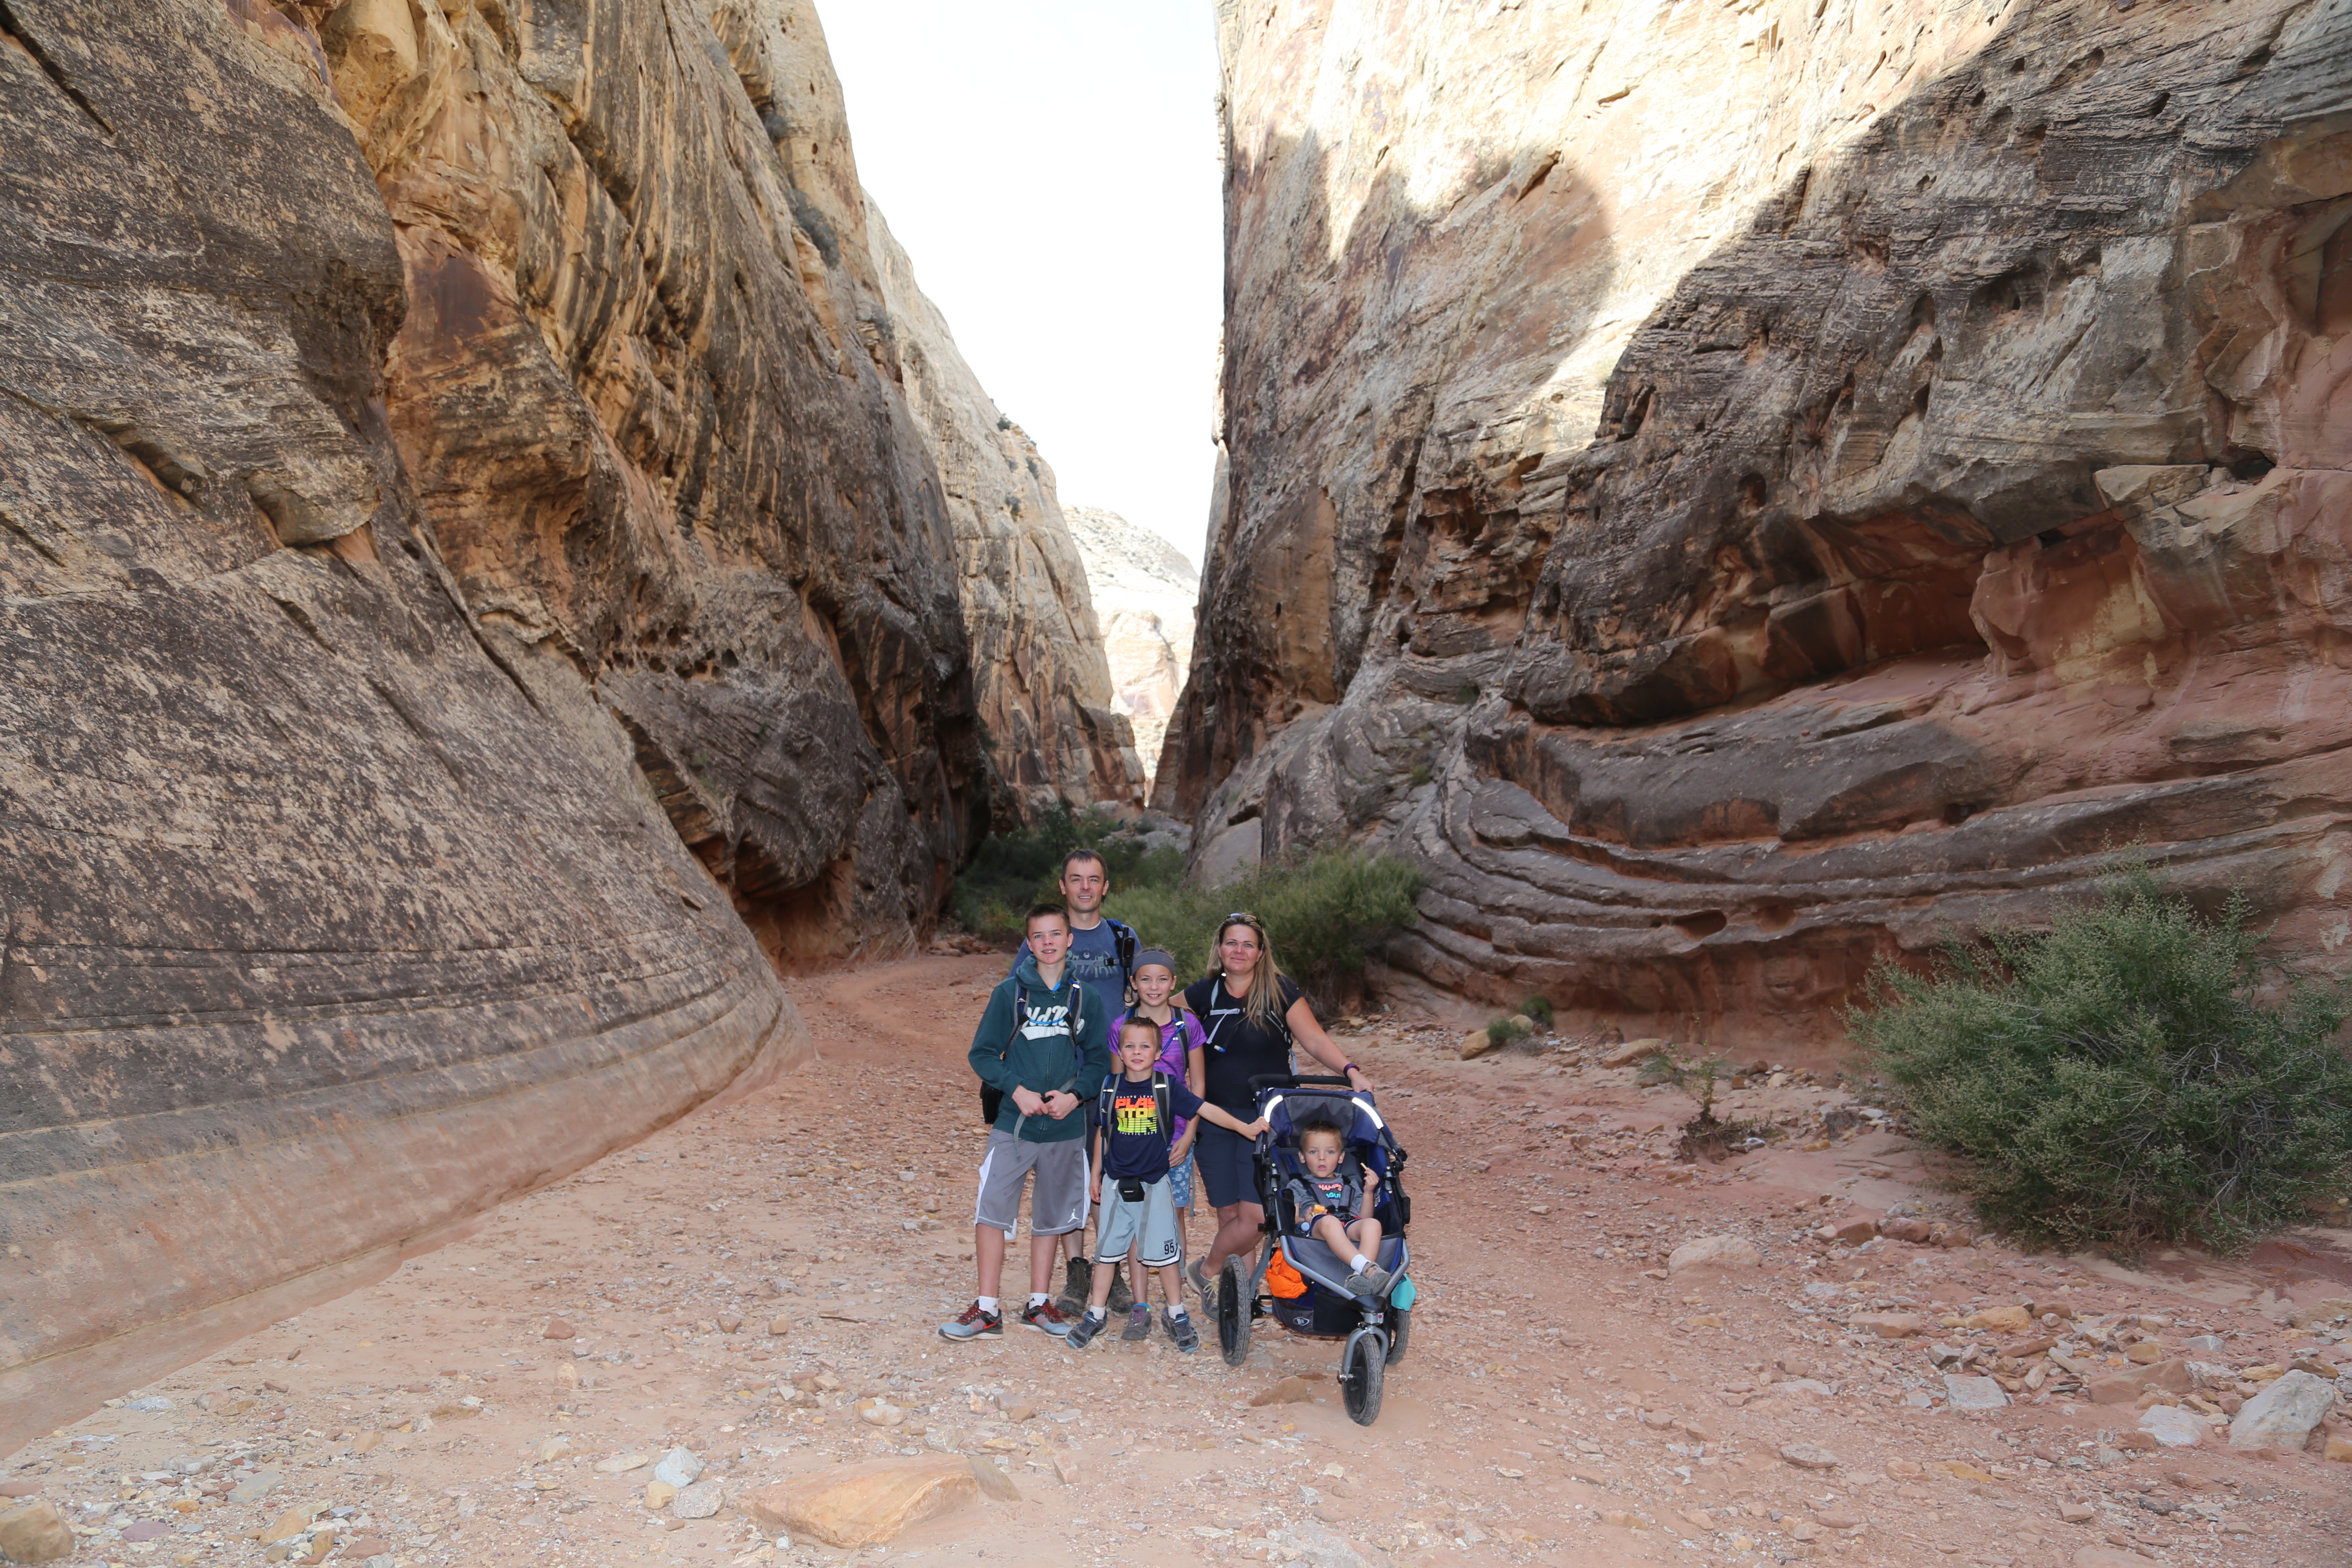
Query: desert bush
1501	1031
1322	912
2120	1080
1537	1008
1015	870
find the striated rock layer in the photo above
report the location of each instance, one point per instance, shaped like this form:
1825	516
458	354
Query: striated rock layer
1052	718
1143	591
1733	489
476	602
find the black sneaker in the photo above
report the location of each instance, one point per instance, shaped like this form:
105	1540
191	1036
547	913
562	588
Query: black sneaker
1046	1316
974	1324
1181	1330
1076	1280
1081	1334
1122	1298
1138	1324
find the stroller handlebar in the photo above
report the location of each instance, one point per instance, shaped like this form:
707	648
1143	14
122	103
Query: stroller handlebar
1292	1080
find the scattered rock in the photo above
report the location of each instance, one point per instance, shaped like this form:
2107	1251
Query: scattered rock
1891	1325
2282	1415
1854	1232
858	1505
294	1522
1974	1392
1473	1044
1904	1229
1831	1521
994	1482
1633	1051
880	1412
1904	1469
779	1325
2339	1448
680	1467
255	1487
557	1329
700	1500
33	1532
659	1495
2144	1353
554	1448
620	1462
1714	1254
1999	1319
1809	1457
1289	1390
2325	1311
1066	1465
2074	1512
151	1403
2107	1557
729	1322
2172	1427
18	1488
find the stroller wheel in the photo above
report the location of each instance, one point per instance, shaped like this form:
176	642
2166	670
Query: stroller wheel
1360	1365
1233	1312
1400	1331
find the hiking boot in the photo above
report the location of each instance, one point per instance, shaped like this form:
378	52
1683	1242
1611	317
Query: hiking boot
1370	1280
1081	1334
1076	1281
1122	1298
1181	1330
974	1324
1139	1323
1046	1316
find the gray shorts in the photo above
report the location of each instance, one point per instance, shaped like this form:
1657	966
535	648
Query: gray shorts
1153	1219
1057	1204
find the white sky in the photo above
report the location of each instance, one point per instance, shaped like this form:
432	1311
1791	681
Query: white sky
1051	166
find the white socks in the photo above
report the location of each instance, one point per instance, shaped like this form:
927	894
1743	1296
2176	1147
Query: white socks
1036	1298
1362	1263
987	1303
1097	1313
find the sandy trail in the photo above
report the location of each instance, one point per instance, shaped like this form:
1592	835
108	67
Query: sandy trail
1563	1402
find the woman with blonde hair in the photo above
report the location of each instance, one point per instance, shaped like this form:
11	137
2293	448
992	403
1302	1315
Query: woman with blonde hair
1252	1016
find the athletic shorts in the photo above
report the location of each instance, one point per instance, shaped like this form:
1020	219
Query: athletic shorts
1180	1183
1058	1201
1228	1165
1153	1219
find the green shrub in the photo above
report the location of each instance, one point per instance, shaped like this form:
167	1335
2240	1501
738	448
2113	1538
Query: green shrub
1539	1009
1321	913
2116	1081
1015	870
1501	1031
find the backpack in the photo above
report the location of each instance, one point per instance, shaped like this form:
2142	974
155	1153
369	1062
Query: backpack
992	1098
1124	947
1209	1031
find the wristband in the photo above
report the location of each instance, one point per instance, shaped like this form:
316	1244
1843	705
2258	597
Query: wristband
1346	1068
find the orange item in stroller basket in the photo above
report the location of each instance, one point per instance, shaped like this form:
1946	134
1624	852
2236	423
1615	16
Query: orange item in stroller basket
1283	1279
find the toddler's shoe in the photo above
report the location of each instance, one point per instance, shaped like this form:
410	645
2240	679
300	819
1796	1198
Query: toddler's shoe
1139	1323
1046	1316
1181	1330
1081	1334
1370	1280
973	1324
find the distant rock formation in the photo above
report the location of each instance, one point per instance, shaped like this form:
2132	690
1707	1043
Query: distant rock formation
463	532
1143	590
1731	489
1045	695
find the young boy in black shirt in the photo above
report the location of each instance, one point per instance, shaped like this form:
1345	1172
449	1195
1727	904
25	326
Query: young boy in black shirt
1135	1118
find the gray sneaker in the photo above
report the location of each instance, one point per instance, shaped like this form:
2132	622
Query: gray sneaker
1139	1323
1370	1280
973	1324
1200	1283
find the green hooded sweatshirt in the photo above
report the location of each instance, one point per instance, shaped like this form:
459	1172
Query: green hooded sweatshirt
1033	1052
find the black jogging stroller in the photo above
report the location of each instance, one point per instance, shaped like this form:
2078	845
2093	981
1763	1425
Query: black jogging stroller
1298	1281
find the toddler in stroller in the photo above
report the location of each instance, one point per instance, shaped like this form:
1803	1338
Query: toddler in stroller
1335	1263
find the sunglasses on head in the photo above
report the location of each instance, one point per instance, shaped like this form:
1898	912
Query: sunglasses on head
1245	918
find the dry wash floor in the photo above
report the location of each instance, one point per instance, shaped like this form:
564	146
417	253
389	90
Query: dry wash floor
1562	1402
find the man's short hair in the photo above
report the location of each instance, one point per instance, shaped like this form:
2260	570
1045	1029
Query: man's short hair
1075	856
1039	912
1132	1022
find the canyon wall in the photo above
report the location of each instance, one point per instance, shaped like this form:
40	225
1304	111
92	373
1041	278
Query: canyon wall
1143	591
1049	712
1733	489
477	602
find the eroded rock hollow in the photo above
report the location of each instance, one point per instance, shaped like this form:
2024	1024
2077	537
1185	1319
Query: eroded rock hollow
477	602
1732	489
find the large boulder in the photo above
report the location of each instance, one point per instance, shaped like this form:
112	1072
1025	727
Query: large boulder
1714	1256
864	1505
2283	1416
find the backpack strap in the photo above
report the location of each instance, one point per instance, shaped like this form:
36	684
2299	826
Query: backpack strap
1166	1121
1123	947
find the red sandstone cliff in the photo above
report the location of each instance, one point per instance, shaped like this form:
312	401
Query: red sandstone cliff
1729	490
476	599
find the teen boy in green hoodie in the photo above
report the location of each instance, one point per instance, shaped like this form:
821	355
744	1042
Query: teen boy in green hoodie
1042	1042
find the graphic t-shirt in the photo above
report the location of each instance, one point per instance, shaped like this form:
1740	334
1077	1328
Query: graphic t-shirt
1237	1048
1134	1147
1314	1196
1178	1037
1093	962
